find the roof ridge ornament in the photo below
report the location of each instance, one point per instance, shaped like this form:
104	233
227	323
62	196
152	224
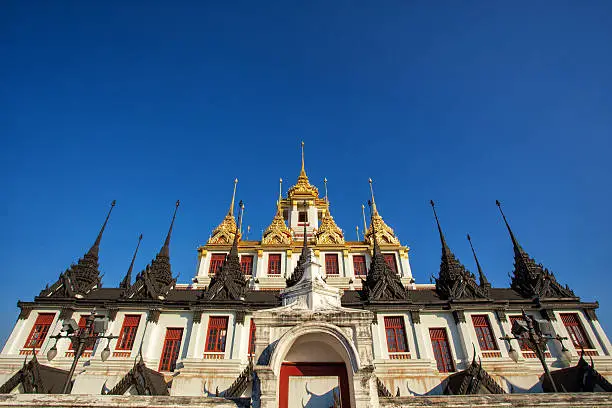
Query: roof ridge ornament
381	283
454	280
223	234
127	281
303	188
277	233
84	276
531	279
229	282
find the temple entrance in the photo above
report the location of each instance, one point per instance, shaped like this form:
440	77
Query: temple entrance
314	374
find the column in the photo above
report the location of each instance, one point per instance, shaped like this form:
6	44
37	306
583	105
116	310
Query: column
419	336
464	333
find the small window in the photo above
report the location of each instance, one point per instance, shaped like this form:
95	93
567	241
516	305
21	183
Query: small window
274	264
331	264
216	261
127	335
571	321
390	260
252	330
484	333
359	265
302	216
396	334
40	330
441	349
170	352
246	264
217	334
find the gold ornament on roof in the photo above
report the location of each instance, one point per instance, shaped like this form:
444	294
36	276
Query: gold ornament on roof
224	233
277	232
384	233
303	186
329	233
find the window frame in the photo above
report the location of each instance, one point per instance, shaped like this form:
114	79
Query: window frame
332	258
252	337
41	322
219	325
395	333
270	263
445	363
391	256
172	344
484	332
129	328
252	260
365	267
216	261
572	327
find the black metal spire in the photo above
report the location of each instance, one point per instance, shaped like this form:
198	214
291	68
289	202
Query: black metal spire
165	251
298	271
127	281
517	247
484	283
95	248
445	248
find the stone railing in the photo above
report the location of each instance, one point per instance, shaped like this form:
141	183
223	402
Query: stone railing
561	400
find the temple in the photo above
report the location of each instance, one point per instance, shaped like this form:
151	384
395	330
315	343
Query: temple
305	312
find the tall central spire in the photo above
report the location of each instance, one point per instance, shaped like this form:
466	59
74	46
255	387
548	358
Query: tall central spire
303	187
517	247
374	211
231	209
127	281
445	247
303	171
95	248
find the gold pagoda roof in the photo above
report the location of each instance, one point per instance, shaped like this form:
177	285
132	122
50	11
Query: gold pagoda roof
329	233
277	232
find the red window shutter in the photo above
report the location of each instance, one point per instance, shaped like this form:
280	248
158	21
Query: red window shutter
484	332
359	265
390	260
170	352
571	321
216	261
441	349
127	334
246	264
217	334
331	264
89	344
252	331
396	334
40	330
522	343
274	264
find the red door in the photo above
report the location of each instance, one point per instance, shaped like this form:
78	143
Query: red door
313	369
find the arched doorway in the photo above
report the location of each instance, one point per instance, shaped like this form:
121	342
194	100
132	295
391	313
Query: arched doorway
314	373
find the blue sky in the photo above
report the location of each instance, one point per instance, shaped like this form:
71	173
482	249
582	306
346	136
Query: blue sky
459	102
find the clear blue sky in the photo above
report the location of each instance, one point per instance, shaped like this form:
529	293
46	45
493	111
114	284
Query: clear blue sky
459	102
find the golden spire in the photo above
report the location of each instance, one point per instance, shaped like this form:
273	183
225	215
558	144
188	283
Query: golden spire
231	209
280	191
357	229
277	232
224	233
329	233
384	233
325	183
365	225
303	187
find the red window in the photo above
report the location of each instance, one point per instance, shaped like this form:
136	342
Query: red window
571	321
331	264
216	261
302	216
252	338
274	264
170	352
522	343
441	349
39	331
484	333
390	260
246	264
217	333
396	334
359	265
89	344
128	332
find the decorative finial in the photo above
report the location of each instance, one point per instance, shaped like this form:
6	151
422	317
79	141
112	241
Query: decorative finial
517	247
165	251
127	281
325	183
248	230
240	215
231	209
483	279
96	246
442	239
280	191
357	230
365	225
373	204
303	172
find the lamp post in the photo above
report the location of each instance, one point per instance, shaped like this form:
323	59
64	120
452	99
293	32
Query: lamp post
79	337
535	334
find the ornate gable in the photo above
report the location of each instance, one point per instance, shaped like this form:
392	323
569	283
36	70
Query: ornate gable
143	379
329	233
277	232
